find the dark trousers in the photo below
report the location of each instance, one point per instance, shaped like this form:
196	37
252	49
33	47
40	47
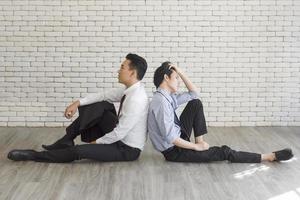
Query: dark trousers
117	151
94	121
192	117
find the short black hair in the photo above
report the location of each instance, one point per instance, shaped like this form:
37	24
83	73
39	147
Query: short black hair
160	72
138	63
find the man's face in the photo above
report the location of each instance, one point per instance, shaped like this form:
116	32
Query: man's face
173	81
125	73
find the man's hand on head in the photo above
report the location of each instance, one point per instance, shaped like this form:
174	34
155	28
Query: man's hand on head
176	68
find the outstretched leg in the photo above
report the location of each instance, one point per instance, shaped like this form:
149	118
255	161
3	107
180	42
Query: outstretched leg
225	153
117	151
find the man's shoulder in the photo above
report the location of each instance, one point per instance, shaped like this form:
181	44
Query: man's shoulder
139	98
158	101
114	90
140	93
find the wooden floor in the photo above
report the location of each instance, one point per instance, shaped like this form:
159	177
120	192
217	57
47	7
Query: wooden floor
151	177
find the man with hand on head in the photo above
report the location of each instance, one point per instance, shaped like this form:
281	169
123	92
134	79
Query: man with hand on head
171	135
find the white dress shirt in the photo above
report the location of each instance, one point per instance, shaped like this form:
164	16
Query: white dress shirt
132	126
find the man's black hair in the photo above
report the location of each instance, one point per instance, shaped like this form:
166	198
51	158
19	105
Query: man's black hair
160	72
138	63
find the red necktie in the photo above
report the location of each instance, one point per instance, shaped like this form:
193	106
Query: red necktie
121	104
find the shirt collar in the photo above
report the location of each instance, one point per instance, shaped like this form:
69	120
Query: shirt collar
166	94
132	88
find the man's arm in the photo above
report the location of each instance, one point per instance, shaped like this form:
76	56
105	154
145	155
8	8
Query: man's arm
185	96
113	95
190	86
189	145
164	117
110	95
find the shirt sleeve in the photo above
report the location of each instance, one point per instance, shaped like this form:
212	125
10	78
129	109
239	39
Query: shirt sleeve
112	95
129	118
165	120
186	97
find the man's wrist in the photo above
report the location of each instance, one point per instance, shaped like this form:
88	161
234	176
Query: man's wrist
193	146
77	103
181	74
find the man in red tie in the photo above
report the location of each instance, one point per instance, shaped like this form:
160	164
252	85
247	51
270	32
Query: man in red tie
112	136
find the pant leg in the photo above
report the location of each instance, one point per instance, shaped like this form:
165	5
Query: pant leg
91	129
192	117
108	122
94	132
117	151
105	125
72	131
57	156
212	154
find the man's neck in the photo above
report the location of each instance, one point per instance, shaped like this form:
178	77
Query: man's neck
166	88
131	83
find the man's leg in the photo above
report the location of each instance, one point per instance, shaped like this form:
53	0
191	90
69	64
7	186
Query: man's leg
192	117
117	151
105	122
212	154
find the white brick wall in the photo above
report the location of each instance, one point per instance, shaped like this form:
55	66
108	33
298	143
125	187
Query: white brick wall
244	55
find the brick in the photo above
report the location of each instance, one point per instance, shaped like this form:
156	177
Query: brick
242	55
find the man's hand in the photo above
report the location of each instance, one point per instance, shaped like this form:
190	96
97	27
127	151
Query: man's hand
176	68
71	109
201	146
93	142
190	86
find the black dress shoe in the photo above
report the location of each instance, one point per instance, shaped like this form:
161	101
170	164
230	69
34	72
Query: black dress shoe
21	155
59	144
284	154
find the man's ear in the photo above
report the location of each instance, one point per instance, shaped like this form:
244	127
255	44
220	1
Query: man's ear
166	77
133	73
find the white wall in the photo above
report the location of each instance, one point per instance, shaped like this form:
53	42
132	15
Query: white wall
242	54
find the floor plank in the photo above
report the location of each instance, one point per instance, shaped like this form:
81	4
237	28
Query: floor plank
151	177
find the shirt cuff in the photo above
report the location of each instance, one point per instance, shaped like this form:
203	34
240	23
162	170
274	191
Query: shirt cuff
100	141
170	138
82	102
194	94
